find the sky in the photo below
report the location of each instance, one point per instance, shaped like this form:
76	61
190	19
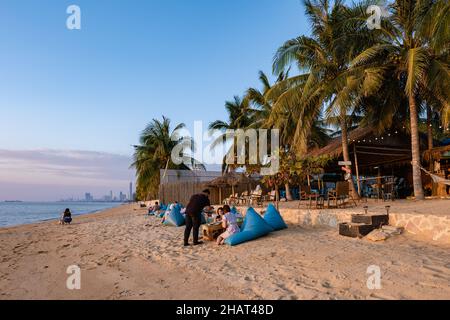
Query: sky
73	102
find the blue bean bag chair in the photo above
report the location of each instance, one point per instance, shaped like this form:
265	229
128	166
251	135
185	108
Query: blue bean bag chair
274	219
254	227
174	218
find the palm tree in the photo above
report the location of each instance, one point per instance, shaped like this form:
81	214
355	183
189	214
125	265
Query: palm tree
157	141
325	57
240	116
414	50
284	117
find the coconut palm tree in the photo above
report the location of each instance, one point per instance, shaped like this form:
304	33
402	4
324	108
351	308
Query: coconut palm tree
240	116
325	58
283	118
414	49
157	141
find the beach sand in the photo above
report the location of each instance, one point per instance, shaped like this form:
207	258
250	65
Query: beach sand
124	254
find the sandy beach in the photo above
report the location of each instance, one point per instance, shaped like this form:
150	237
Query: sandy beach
124	254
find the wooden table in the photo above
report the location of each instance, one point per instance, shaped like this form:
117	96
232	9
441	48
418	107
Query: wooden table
211	231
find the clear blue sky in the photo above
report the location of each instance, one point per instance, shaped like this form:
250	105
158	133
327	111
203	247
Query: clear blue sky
95	89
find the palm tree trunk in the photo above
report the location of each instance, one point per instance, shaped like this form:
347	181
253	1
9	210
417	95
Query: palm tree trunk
277	196
429	128
415	149
346	154
288	192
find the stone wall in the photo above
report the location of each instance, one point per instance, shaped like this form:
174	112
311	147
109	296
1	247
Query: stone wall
431	228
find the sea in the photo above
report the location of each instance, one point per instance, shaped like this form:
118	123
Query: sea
17	213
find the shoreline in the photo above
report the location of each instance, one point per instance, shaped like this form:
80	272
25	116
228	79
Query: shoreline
124	254
97	211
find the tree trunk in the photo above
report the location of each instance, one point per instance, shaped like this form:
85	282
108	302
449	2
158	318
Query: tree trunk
277	196
346	154
429	128
415	149
288	192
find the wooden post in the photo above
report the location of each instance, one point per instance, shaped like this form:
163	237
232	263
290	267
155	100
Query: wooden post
220	195
357	170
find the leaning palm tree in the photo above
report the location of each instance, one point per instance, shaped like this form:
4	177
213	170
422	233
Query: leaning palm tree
414	49
157	141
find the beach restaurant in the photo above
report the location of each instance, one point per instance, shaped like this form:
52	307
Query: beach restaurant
379	161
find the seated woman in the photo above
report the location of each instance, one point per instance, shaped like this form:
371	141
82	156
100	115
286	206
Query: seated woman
218	216
229	222
155	209
66	217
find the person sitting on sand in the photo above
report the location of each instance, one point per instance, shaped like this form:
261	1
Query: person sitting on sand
155	209
229	222
66	217
218	216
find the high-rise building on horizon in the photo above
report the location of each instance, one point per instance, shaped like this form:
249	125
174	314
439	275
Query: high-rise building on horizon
88	197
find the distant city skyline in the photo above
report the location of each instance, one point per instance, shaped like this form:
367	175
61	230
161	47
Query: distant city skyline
120	196
75	101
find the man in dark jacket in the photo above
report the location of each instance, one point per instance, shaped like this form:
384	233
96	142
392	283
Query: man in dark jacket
194	209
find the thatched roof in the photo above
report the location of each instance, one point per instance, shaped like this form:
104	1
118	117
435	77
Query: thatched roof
334	148
390	148
230	179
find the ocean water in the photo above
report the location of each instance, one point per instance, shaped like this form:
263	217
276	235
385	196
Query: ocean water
16	213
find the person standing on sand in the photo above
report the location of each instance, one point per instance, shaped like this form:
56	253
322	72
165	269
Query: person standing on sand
194	209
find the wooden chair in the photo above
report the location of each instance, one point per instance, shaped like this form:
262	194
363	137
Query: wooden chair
270	197
232	200
305	194
339	195
389	189
256	198
244	198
